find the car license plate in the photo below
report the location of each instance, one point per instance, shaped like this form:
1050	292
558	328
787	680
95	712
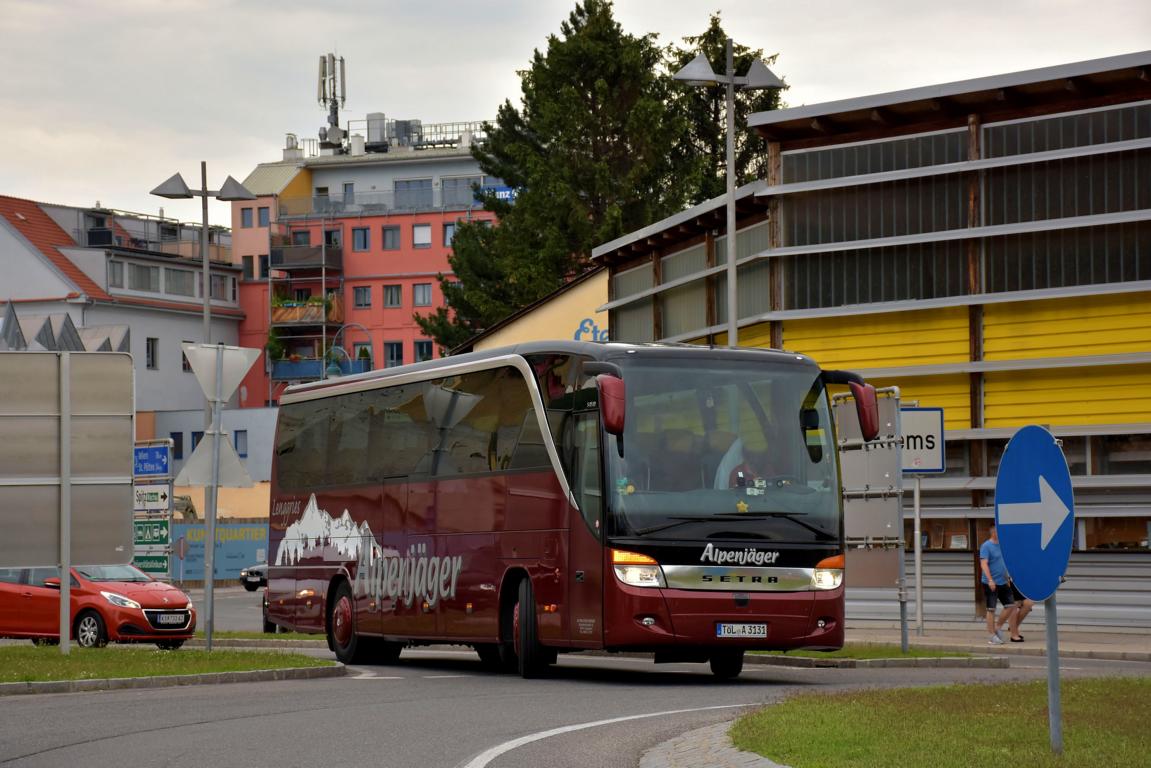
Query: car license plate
170	618
741	630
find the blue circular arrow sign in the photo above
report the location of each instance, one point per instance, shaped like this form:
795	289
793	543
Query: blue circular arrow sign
1035	512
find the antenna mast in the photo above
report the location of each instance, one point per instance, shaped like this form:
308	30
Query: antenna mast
329	83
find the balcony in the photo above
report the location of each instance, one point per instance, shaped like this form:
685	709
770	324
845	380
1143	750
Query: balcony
187	248
309	369
458	198
308	312
290	257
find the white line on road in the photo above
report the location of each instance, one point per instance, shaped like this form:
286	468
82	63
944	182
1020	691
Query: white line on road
484	758
444	677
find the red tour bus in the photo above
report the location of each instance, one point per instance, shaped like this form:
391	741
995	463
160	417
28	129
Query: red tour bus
561	496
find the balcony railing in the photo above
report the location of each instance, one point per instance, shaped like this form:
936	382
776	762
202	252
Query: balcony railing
310	369
305	313
103	237
377	203
290	257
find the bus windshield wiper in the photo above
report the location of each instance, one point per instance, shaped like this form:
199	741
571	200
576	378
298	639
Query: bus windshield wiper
792	516
678	520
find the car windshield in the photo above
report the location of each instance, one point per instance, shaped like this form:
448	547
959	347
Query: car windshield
112	573
733	449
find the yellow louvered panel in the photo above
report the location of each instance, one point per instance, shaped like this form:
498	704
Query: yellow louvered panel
951	393
895	339
1089	325
758	335
1113	394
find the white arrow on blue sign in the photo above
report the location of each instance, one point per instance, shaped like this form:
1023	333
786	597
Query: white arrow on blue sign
1035	512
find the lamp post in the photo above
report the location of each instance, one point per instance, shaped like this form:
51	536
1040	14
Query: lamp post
175	189
333	368
698	72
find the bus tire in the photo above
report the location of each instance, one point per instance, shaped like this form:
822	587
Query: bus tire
534	659
727	664
342	637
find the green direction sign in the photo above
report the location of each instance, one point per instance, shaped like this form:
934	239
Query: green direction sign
152	533
153	564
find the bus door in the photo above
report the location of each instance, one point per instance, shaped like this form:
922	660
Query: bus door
585	545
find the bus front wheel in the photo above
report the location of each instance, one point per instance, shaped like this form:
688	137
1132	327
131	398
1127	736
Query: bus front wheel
342	637
533	657
727	664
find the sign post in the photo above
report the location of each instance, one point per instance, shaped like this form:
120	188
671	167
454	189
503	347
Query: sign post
1035	518
923	452
152	507
219	369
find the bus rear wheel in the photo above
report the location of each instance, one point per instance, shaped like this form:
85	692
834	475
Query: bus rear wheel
342	637
534	659
727	664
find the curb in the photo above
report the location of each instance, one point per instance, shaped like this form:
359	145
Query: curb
167	681
251	642
708	747
977	662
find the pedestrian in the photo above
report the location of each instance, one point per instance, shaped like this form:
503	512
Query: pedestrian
995	589
1026	604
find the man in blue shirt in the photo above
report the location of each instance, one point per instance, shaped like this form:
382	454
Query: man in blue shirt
994	578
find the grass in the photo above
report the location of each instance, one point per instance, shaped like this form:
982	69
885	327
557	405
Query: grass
960	726
19	664
234	635
872	651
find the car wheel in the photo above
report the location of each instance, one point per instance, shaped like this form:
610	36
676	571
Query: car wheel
727	664
90	630
170	645
534	658
250	587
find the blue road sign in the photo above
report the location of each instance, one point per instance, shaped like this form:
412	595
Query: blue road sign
151	461
1034	512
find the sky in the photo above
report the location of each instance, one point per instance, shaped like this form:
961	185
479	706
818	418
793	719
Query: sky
102	101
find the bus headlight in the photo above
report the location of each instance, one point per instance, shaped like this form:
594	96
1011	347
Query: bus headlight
828	573
637	570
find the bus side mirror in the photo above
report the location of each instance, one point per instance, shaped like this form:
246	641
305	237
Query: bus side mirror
866	408
612	403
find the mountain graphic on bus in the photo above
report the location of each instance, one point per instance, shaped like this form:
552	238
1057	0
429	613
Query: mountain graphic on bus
317	533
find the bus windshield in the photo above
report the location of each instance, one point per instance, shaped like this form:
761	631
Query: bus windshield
732	449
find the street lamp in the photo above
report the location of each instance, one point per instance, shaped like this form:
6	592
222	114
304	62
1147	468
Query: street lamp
333	368
175	189
698	72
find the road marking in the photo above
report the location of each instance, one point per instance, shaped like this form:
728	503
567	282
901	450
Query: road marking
367	674
443	677
484	758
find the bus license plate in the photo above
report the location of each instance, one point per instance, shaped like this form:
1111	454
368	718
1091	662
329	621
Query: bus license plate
741	630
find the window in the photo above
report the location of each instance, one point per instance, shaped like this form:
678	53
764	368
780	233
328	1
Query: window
151	353
458	192
264	219
180	282
349	192
361	241
263	266
414	193
421	235
391	238
423	350
222	287
422	294
362	296
303	294
143	278
240	436
196	438
115	274
301	237
247	262
393	353
393	296
449	233
184	364
177	445
245	217
362	350
333	238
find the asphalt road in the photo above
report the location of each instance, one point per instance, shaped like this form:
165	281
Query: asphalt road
433	709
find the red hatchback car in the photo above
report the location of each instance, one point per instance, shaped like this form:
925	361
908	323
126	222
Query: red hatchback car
117	603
